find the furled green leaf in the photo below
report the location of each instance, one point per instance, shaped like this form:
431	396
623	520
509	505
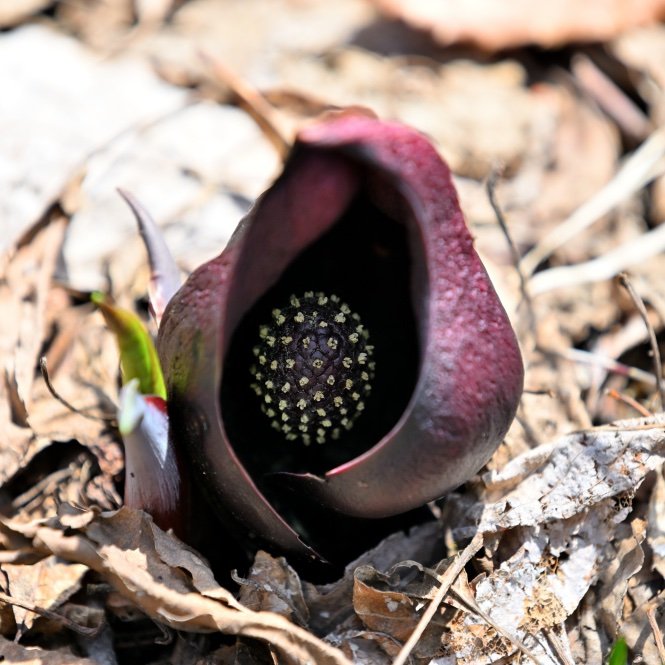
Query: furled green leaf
138	356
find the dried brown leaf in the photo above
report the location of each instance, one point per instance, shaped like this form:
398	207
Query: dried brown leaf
273	586
364	647
383	610
24	293
563	518
83	371
391	604
494	25
583	469
46	585
585	636
125	548
330	605
23	296
12	652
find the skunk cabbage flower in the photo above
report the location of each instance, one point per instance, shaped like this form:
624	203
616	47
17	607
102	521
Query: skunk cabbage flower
346	344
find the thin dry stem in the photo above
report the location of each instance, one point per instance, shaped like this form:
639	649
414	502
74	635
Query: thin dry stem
655	352
610	364
560	644
467	601
70	407
657	635
54	616
252	101
629	401
524	287
611	98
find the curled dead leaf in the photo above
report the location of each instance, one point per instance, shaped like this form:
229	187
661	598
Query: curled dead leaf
392	604
273	586
160	575
45	585
382	610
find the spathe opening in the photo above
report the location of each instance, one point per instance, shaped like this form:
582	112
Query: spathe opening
365	260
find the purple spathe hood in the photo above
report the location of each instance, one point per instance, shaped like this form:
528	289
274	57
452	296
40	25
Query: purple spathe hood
468	378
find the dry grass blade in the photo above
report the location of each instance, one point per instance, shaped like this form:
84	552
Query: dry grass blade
645	164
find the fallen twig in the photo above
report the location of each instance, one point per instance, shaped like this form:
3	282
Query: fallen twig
655	352
470	604
610	364
657	635
603	267
611	98
70	407
48	614
252	101
446	581
629	401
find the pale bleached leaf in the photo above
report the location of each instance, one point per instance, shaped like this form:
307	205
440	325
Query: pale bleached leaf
565	504
582	469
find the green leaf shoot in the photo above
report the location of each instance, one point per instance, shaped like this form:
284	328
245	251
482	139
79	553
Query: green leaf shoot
138	356
619	653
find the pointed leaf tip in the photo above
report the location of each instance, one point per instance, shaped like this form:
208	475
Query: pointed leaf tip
164	272
138	356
